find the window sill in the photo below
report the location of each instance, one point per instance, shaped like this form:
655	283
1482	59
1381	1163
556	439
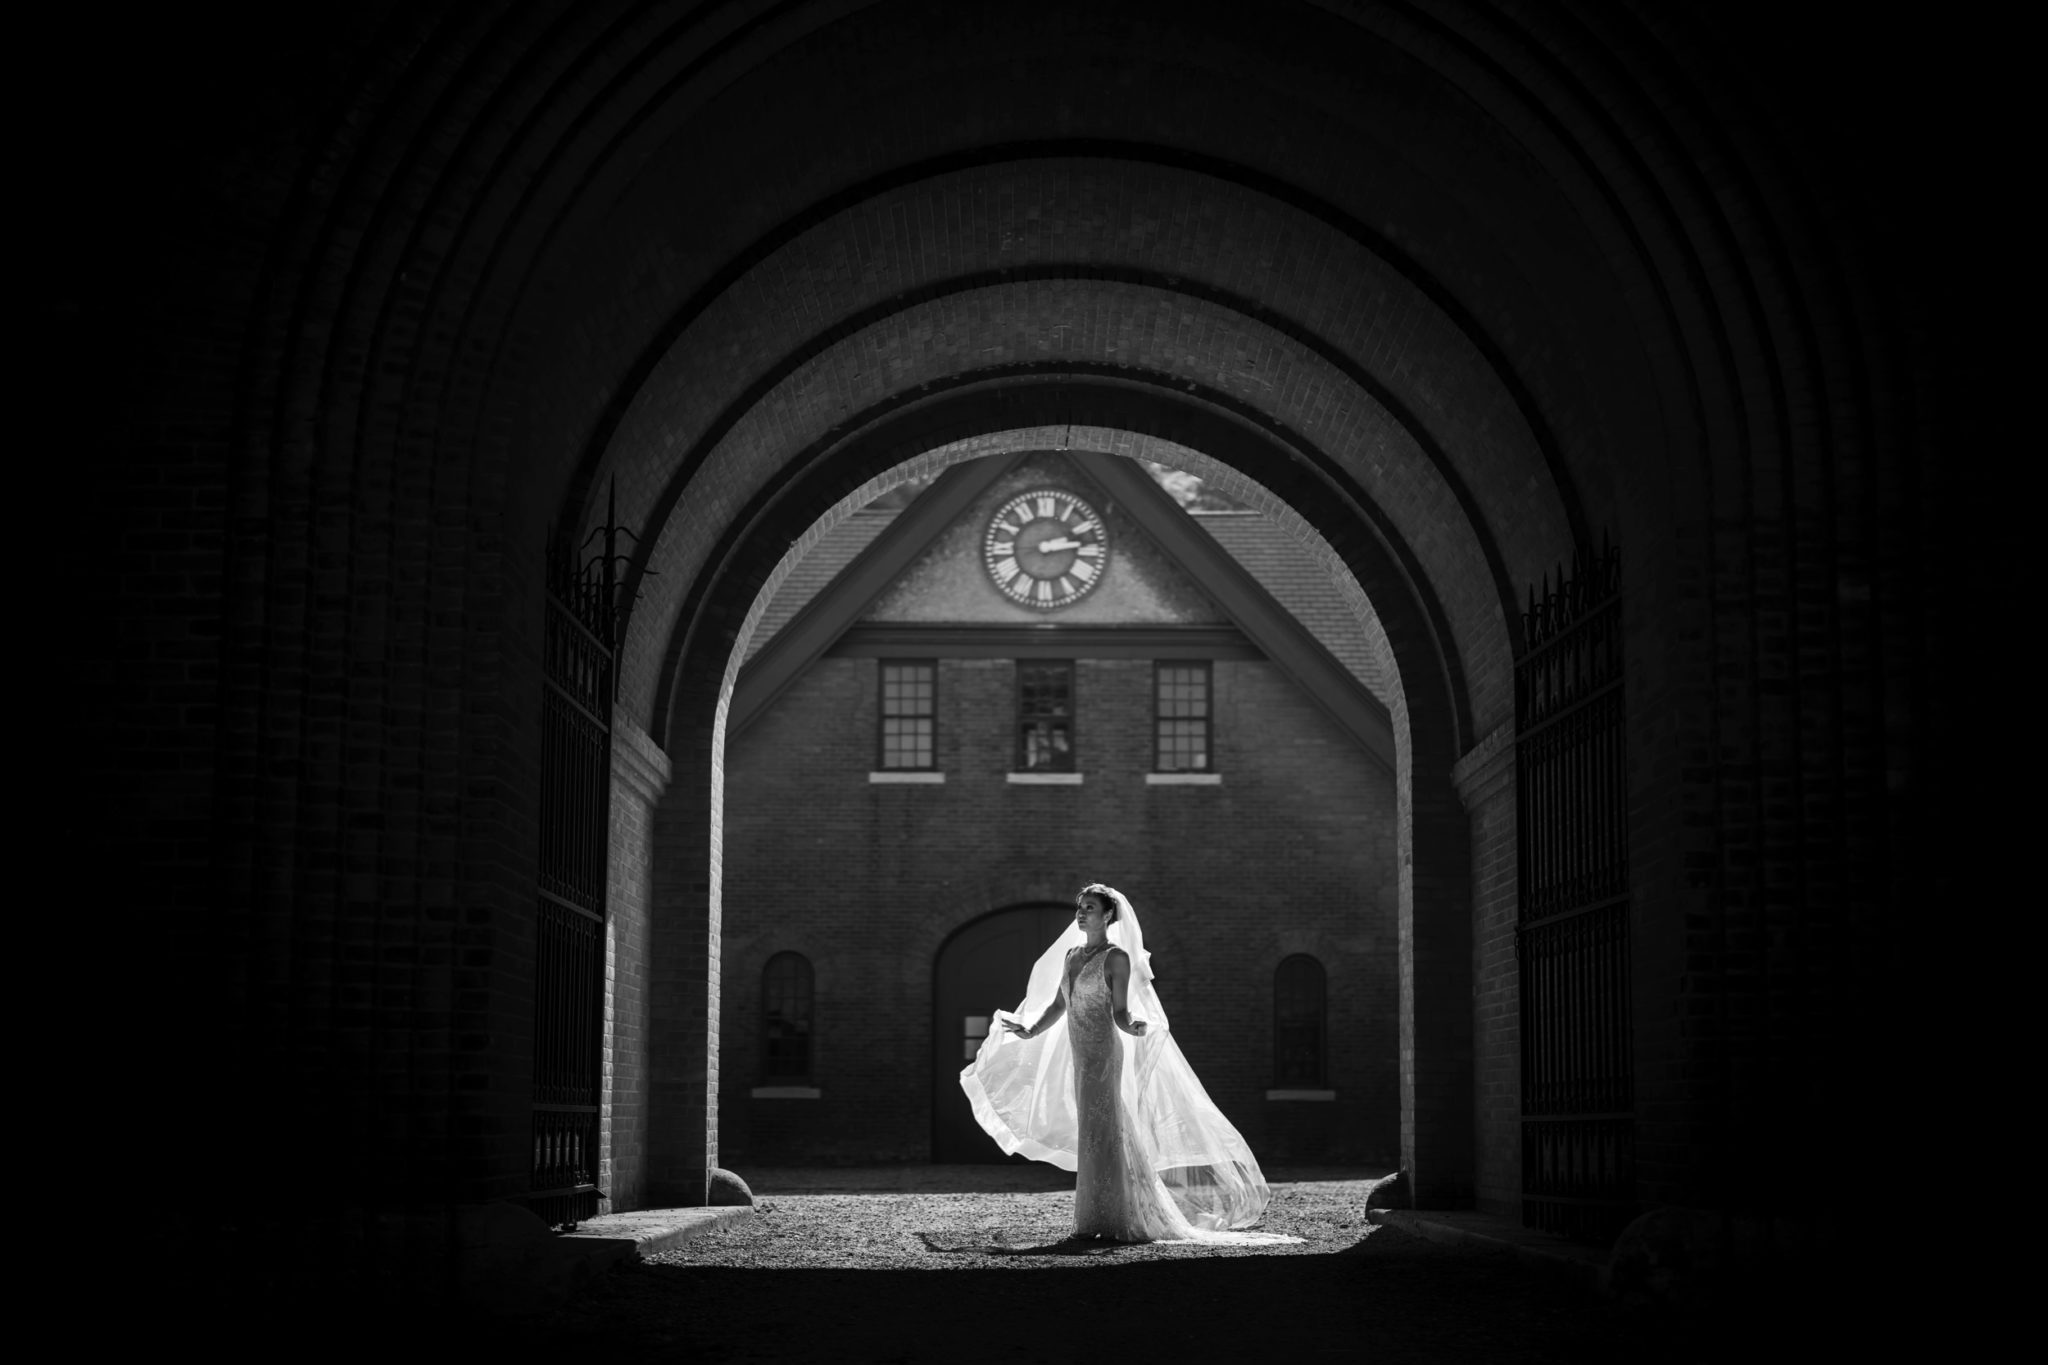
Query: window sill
1325	1095
1183	779
916	776
786	1092
1045	779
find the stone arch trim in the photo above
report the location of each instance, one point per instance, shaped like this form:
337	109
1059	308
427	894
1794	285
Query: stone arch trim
1383	348
848	328
1019	328
1429	35
850	200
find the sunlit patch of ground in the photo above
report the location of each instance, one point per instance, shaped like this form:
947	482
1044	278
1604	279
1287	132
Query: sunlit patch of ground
912	1265
1016	1228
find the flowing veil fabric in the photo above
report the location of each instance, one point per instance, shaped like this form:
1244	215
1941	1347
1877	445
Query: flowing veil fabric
1022	1091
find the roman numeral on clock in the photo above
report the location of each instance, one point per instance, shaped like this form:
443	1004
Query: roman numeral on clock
1045	548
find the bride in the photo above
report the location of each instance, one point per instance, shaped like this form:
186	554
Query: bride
1109	1095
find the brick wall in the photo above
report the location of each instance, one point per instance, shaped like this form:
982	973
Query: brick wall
1294	852
1486	781
640	773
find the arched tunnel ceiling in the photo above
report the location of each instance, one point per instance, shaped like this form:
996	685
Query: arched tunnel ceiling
1339	124
1163	258
730	451
1549	249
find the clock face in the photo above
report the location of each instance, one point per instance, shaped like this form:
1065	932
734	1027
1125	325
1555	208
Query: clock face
1045	549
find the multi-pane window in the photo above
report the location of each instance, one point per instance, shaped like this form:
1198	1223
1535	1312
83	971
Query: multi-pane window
1045	717
973	1032
786	1018
1180	718
1298	1035
909	713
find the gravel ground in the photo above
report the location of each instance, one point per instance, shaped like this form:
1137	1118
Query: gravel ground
939	1264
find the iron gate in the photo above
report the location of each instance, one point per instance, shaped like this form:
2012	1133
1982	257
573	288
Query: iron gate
1572	931
575	824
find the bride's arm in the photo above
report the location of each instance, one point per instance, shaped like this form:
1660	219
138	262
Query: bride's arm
1052	1013
1120	985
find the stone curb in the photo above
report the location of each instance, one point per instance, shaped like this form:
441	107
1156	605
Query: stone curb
1584	1264
647	1232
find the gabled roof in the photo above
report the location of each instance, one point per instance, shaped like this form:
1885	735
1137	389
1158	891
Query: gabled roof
1250	606
1269	554
1271	588
812	628
809	576
1299	584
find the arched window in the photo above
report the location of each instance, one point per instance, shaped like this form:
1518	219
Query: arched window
1298	1022
786	1018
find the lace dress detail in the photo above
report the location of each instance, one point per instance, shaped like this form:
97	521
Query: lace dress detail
1153	1158
1116	1193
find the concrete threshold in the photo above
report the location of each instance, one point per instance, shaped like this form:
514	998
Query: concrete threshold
1495	1232
635	1236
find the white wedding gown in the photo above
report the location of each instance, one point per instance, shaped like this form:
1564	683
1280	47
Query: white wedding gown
1154	1160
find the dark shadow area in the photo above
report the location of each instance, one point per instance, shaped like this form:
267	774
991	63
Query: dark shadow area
986	1294
1384	1298
996	1242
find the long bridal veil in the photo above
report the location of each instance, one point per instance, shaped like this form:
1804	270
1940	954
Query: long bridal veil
1022	1091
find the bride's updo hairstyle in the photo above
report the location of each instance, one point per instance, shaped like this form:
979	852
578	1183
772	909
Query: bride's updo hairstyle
1108	900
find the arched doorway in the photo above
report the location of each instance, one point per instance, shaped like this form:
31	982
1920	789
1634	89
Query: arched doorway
981	968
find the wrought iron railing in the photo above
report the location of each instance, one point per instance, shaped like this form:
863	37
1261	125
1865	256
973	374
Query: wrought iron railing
1572	934
578	668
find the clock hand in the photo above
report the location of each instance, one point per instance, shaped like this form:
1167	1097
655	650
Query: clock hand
1046	547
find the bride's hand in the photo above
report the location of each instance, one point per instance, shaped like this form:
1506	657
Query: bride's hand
1137	1028
1013	1026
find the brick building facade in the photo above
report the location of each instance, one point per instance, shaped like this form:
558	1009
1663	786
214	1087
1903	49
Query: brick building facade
1274	840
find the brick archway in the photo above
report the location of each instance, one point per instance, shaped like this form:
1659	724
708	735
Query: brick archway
1517	276
1030	290
1366	365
